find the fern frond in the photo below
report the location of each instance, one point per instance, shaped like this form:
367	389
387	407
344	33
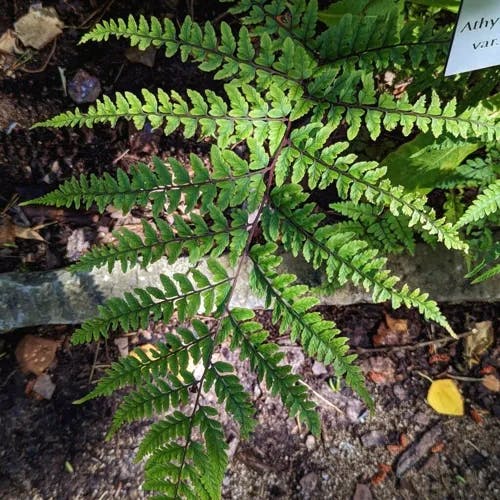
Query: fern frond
473	172
227	55
265	359
191	468
487	203
345	259
351	96
229	390
207	115
480	275
381	228
135	310
171	357
380	42
227	181
356	180
171	240
170	428
292	310
152	398
376	41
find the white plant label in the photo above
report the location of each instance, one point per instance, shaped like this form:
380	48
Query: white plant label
476	42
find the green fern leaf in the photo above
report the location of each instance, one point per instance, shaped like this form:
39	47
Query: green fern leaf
291	309
487	203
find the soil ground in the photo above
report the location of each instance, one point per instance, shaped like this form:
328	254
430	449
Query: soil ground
55	450
281	460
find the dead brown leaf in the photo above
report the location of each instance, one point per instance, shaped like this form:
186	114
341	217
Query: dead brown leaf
439	358
38	27
491	383
35	354
7	231
10	231
476	416
379	369
29	233
392	332
380	476
487	370
438	447
477	344
8	43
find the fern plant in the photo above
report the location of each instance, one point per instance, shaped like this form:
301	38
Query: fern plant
296	95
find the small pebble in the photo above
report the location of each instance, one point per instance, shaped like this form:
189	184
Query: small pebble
422	418
84	87
319	369
399	392
373	438
310	442
308	484
122	345
353	410
44	386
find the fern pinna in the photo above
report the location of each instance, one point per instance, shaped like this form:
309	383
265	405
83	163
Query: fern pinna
296	95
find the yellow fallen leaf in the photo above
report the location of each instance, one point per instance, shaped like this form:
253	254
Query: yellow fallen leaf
445	398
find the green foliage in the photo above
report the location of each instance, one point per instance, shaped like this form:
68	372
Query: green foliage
299	99
488	202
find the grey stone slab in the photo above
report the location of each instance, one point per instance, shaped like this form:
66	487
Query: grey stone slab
59	297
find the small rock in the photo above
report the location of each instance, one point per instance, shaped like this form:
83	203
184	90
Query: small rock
373	438
308	483
78	244
422	418
399	391
417	451
146	57
44	386
295	358
362	492
84	87
353	410
8	43
347	447
310	442
319	369
122	344
35	354
133	494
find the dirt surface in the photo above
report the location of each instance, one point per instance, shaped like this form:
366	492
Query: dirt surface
53	449
56	450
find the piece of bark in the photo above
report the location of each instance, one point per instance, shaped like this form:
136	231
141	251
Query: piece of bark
417	451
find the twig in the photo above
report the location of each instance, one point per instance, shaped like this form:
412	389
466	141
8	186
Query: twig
412	347
423	375
470	443
95	361
121	156
463	379
319	396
